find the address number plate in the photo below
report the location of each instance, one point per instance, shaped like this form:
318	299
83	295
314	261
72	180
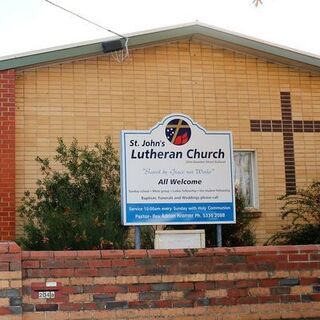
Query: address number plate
46	294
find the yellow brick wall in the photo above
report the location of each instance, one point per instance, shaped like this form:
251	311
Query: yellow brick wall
222	90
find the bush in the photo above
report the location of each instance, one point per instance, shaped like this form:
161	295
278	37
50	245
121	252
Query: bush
303	212
147	237
77	207
237	234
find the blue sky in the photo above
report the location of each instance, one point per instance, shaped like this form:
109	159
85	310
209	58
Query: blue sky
27	25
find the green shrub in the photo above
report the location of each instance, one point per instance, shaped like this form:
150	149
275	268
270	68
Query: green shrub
302	211
77	207
237	234
147	237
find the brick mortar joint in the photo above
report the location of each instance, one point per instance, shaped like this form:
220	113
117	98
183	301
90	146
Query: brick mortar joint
154	254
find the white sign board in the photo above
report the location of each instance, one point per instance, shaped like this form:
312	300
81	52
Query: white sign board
176	173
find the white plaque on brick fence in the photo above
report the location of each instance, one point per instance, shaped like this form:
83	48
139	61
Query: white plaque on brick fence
179	239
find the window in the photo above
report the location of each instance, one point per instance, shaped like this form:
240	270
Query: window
245	176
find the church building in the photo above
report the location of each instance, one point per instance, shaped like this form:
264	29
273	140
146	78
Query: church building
268	96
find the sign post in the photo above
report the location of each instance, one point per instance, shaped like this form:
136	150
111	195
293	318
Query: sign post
137	235
219	235
176	173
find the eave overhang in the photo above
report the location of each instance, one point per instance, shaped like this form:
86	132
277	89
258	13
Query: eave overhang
227	39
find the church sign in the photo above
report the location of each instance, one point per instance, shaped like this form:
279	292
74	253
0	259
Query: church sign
176	173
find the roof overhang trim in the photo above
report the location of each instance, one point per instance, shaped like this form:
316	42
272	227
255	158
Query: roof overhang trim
230	40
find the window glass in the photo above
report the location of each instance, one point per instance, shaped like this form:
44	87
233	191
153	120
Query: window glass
244	175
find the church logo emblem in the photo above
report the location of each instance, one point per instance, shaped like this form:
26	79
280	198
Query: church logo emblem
178	132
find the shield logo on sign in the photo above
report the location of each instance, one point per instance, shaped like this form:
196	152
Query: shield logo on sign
178	132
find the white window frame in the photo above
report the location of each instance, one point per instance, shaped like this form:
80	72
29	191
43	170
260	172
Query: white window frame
254	170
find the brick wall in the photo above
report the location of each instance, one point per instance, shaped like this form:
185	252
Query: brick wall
216	283
7	155
220	89
10	281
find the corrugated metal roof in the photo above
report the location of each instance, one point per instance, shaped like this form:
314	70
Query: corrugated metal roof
222	37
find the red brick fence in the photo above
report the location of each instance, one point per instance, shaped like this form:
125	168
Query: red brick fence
219	283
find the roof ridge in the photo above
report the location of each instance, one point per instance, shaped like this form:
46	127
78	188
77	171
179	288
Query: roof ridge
260	47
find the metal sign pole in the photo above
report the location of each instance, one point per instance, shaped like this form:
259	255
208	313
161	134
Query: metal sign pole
219	235
138	237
